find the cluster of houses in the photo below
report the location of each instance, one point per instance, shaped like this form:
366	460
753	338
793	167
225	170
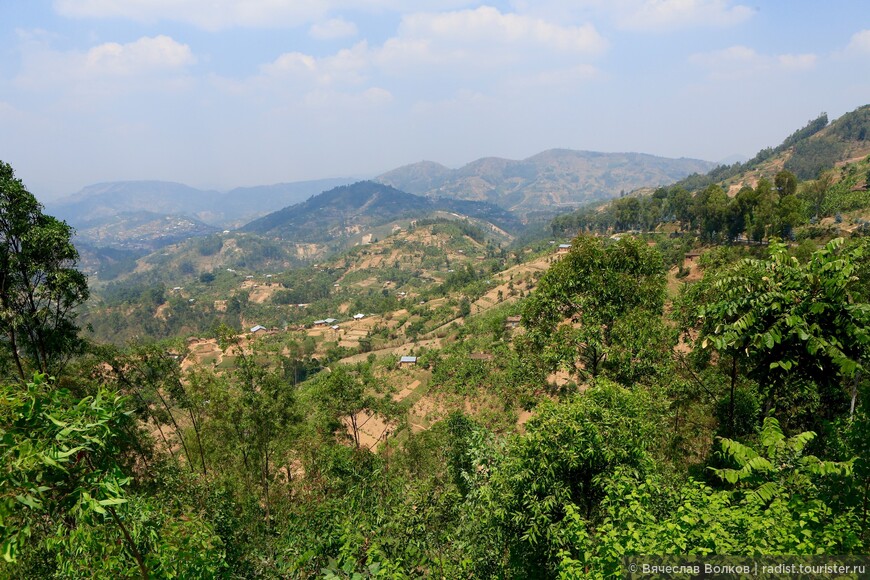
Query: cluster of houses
330	322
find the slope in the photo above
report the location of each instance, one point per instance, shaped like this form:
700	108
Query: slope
351	210
558	177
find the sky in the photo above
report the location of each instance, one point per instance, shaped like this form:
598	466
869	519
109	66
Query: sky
226	93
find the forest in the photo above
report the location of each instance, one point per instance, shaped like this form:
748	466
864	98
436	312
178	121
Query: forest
724	415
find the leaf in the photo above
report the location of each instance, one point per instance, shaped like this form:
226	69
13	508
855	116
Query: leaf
29	501
9	550
57	422
112	501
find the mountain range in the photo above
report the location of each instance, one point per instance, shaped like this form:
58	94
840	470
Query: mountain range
557	178
348	210
96	203
158	212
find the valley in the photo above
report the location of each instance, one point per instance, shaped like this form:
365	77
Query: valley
387	382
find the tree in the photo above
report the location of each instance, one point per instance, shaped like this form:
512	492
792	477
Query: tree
61	460
816	191
343	394
66	493
39	285
741	211
711	207
785	183
680	203
572	313
764	213
790	213
562	464
799	330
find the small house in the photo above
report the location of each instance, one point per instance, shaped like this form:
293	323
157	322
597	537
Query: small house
407	361
563	248
330	321
335	327
692	256
513	321
257	328
359	316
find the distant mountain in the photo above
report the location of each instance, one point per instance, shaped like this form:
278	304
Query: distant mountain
100	202
149	214
350	209
554	178
141	230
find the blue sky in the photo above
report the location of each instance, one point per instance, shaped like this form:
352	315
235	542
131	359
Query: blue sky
222	93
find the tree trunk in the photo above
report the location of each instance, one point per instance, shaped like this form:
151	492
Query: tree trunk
130	543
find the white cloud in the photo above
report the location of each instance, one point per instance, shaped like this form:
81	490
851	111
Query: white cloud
332	29
487	25
484	41
797	61
347	66
222	14
146	57
467	46
737	62
143	55
671	14
860	43
649	15
207	14
7	110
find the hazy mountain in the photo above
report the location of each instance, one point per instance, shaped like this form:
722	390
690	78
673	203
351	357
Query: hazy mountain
99	203
141	230
149	214
558	177
350	209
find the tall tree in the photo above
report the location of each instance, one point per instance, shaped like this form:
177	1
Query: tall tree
39	285
570	317
785	183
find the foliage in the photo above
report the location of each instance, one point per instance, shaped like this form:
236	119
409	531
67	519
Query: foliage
59	456
39	285
794	327
593	286
781	467
813	156
562	465
646	515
